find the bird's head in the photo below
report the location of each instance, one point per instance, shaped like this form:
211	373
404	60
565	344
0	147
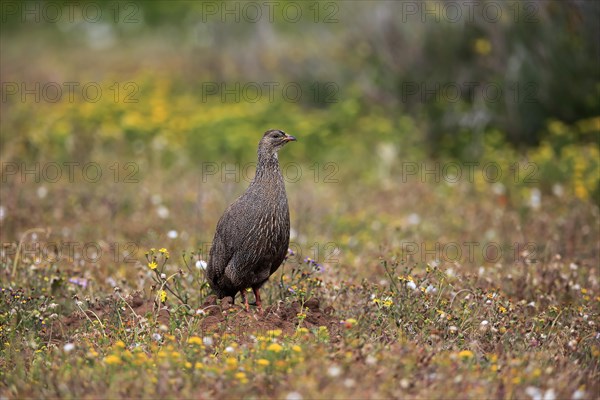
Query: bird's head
273	140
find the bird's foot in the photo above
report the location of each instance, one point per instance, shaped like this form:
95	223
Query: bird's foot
259	308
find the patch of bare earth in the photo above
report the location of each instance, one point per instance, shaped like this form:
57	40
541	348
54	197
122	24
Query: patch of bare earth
219	317
225	317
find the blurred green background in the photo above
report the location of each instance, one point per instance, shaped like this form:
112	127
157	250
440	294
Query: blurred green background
435	78
367	87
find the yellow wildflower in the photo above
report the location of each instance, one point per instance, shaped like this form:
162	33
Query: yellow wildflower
241	376
112	360
119	344
162	295
194	340
140	358
274	332
482	46
152	265
263	362
231	362
275	347
162	354
296	348
465	354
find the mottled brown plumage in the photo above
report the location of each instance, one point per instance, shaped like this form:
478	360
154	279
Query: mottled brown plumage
252	236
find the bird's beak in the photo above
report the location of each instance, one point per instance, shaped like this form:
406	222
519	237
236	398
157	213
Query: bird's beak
290	138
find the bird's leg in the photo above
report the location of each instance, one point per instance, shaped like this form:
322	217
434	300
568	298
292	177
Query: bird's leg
245	299
257	296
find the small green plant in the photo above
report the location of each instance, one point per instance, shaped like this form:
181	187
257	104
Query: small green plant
182	285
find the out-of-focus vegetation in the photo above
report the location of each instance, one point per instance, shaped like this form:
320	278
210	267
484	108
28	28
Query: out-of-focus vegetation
425	77
483	284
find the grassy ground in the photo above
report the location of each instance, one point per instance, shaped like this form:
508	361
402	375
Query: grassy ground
379	311
398	284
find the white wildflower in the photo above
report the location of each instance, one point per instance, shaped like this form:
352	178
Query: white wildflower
293	396
334	371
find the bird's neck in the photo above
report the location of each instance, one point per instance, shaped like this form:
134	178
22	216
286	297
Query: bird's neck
267	168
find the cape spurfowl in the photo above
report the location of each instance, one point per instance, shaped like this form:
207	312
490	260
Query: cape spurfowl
252	236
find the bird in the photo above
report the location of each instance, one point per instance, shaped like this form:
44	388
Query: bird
252	236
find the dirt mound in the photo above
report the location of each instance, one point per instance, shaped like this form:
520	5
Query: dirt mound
215	316
224	317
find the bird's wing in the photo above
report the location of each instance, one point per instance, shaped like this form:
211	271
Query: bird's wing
228	237
220	252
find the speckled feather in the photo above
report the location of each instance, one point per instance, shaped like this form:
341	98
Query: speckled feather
252	236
